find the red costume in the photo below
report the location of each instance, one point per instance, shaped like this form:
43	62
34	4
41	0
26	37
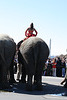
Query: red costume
29	33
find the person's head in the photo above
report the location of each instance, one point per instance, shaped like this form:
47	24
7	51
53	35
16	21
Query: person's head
31	25
58	58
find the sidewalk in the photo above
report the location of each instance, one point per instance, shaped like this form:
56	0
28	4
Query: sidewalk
52	90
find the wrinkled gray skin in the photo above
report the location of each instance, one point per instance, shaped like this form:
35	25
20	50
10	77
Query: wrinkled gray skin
35	53
7	51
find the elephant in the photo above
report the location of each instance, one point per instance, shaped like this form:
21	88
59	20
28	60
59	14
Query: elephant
7	52
33	54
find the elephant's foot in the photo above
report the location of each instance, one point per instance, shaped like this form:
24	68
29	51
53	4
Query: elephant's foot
28	87
23	79
35	82
38	87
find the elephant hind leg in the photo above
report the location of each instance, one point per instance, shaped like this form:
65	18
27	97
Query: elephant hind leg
29	83
38	83
38	76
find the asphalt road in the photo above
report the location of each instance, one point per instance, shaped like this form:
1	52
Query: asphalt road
52	90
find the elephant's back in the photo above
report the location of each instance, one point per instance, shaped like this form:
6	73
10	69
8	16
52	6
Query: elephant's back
6	41
32	40
5	37
7	44
33	43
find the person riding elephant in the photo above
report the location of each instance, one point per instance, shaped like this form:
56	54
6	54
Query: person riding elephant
30	31
7	51
33	53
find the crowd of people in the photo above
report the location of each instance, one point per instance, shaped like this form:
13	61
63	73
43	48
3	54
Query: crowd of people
55	67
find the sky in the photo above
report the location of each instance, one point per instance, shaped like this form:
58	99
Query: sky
49	18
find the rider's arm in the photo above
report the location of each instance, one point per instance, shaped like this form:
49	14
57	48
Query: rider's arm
35	32
26	32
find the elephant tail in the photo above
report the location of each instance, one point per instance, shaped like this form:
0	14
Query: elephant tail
36	51
2	56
